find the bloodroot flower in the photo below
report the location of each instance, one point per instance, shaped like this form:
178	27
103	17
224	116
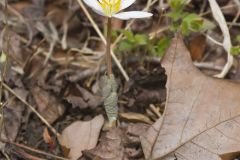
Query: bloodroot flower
111	8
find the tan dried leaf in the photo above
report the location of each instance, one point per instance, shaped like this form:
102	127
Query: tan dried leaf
81	136
201	117
48	105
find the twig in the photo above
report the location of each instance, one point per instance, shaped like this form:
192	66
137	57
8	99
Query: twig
26	155
238	13
32	108
208	65
149	2
213	40
160	30
233	24
203	6
51	35
222	8
155	111
227	44
64	37
34	150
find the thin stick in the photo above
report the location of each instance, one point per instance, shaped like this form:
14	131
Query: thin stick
155	111
227	43
222	8
238	14
26	155
108	49
32	108
34	150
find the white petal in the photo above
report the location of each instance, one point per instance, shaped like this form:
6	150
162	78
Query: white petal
100	12
126	3
132	14
94	4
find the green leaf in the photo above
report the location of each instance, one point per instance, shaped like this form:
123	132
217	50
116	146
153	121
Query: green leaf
196	22
185	28
184	20
175	16
174	27
161	46
191	22
235	50
177	5
141	39
129	35
114	34
196	25
125	46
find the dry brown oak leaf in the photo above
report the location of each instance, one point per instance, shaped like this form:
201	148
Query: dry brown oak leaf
81	136
201	120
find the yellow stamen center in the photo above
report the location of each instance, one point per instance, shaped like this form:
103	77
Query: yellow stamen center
110	7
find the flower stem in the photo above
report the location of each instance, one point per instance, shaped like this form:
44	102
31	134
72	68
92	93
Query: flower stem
109	90
108	50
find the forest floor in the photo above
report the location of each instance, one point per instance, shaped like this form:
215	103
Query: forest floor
52	61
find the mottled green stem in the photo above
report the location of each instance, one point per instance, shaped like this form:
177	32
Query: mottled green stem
109	90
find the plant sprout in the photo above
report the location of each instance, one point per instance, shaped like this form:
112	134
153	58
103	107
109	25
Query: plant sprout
111	9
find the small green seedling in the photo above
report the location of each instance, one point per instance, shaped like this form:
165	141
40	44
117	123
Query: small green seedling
142	42
187	22
235	51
